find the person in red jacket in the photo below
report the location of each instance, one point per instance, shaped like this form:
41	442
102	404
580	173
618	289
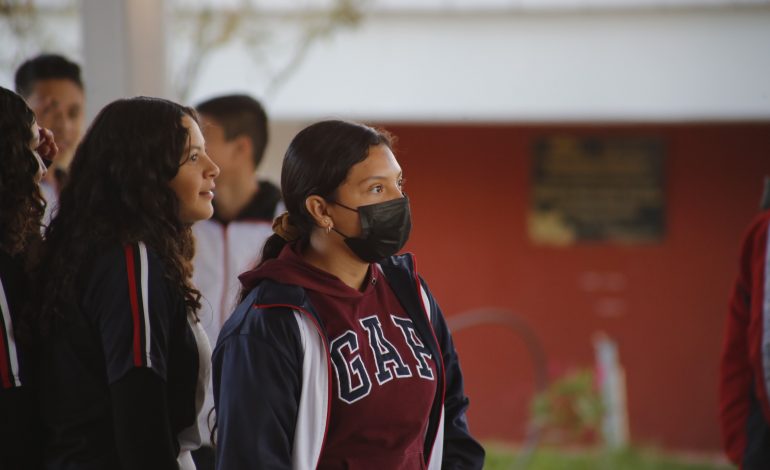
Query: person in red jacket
745	369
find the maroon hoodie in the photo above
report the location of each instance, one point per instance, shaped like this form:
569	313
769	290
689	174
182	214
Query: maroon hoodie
381	391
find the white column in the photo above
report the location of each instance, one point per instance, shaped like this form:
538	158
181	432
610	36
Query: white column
124	50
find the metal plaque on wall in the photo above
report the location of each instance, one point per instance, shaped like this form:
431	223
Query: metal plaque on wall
597	189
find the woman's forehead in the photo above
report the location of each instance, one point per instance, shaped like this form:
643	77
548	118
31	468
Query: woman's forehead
379	163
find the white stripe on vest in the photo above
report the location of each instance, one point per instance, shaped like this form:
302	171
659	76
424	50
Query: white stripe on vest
10	340
143	269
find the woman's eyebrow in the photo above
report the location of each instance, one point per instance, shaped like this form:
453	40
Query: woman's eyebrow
372	178
379	177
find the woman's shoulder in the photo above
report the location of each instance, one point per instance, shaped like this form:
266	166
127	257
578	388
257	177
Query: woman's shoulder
128	279
14	283
267	312
120	256
115	264
10	266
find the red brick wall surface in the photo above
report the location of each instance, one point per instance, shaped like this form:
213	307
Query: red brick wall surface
664	303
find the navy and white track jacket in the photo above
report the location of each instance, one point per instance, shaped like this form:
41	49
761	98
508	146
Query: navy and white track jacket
272	370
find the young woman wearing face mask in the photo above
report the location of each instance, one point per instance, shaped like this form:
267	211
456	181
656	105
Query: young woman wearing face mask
338	356
22	144
124	361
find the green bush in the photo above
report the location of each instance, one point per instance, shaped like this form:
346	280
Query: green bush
500	457
570	410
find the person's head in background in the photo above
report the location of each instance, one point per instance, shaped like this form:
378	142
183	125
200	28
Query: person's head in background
235	128
21	167
53	87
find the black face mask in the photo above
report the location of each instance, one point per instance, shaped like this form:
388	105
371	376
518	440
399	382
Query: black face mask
385	228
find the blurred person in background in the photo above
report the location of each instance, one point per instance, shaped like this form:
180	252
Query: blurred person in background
236	131
25	148
53	87
745	368
124	361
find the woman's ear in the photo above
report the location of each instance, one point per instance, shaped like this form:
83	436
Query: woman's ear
244	149
316	206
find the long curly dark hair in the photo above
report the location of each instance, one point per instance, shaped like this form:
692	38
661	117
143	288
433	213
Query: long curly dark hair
118	192
21	204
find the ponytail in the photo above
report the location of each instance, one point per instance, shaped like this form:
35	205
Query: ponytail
273	246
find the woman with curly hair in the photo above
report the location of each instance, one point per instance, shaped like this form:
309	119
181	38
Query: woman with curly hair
22	142
125	361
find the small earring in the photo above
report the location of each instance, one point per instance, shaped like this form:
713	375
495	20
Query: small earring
328	229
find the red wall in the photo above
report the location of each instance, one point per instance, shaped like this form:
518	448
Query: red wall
470	192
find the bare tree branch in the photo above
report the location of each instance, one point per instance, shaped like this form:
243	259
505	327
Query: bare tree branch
212	30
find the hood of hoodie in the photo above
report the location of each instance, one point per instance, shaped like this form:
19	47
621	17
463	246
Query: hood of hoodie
290	268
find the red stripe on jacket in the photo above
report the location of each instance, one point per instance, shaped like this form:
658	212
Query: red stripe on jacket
5	374
132	290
